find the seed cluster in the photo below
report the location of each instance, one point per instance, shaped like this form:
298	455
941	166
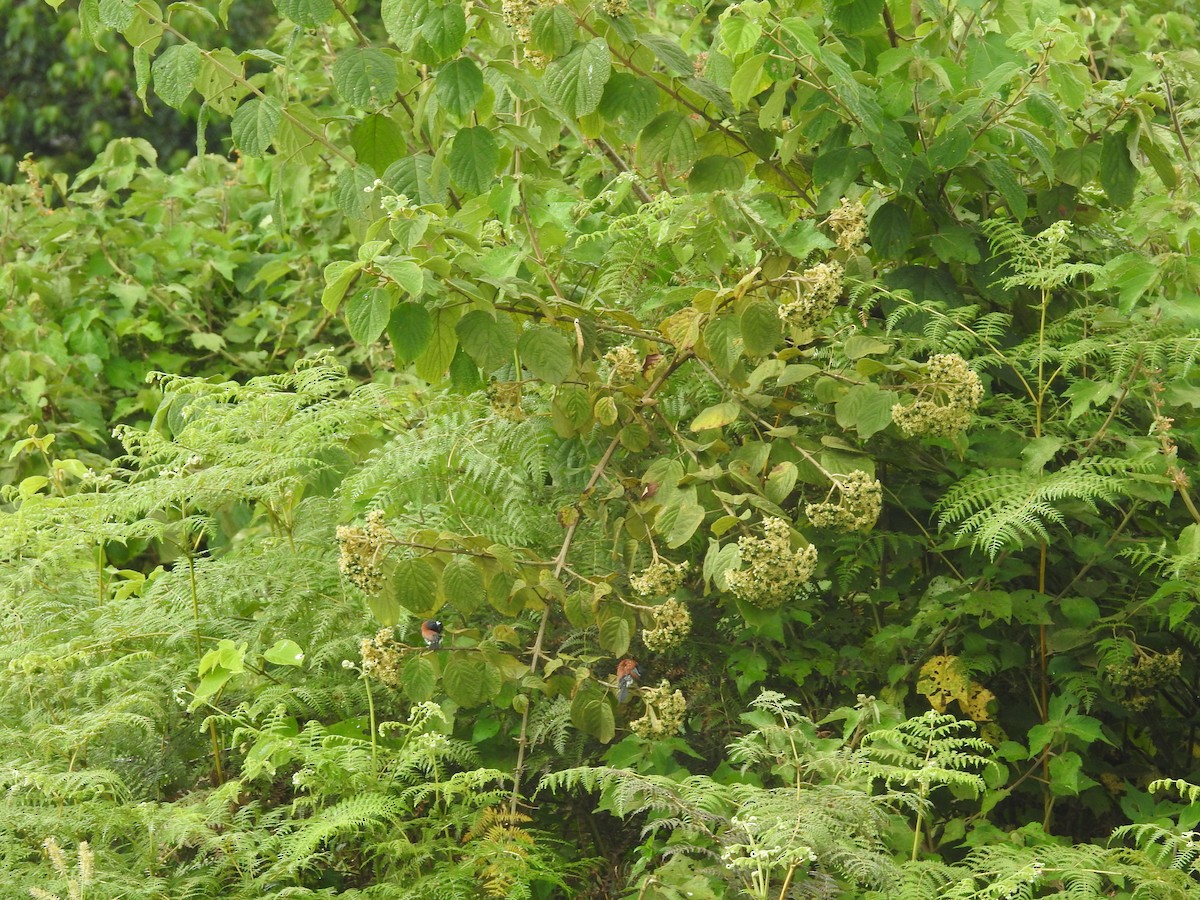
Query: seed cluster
672	625
664	715
817	292
382	656
505	397
771	571
946	399
860	500
659	579
849	224
615	8
624	365
1148	671
361	550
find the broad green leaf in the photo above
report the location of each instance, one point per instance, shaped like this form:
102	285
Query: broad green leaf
474	157
414	177
866	408
740	34
761	328
630	99
576	81
488	339
418	677
1118	174
365	77
615	633
716	416
749	79
574	403
403	19
377	141
552	30
255	124
285	653
592	712
853	16
413	585
606	411
409	329
306	13
716	173
464	679
405	273
668	139
445	29
859	345
434	362
117	14
546	352
668	51
175	71
690	517
462	584
338	277
367	314
219	81
459	86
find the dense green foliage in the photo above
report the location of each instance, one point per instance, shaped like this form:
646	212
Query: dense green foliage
835	361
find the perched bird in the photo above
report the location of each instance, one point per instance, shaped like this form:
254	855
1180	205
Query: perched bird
431	632
627	673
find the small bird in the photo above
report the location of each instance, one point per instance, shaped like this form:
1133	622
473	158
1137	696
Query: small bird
431	632
628	672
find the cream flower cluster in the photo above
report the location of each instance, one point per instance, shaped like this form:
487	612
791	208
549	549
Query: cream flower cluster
860	500
849	224
665	712
817	292
659	579
771	571
615	8
382	657
624	365
946	400
672	625
360	551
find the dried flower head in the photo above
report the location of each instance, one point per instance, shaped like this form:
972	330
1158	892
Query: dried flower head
771	571
849	224
859	502
505	397
624	365
946	399
672	625
817	292
659	579
665	712
615	8
1147	671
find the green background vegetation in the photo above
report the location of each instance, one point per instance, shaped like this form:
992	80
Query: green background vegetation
882	318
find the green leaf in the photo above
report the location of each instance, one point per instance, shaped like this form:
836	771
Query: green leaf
716	416
592	711
402	20
418	678
445	29
716	173
413	585
668	51
219	81
117	14
576	81
459	86
668	139
377	141
285	653
306	13
552	30
405	273
859	345
867	408
409	329
488	339
464	679
255	124
749	80
740	34
614	634
414	177
462	584
434	362
546	352
175	71
854	16
367	314
630	99
338	277
689	518
761	328
365	77
1118	174
474	157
